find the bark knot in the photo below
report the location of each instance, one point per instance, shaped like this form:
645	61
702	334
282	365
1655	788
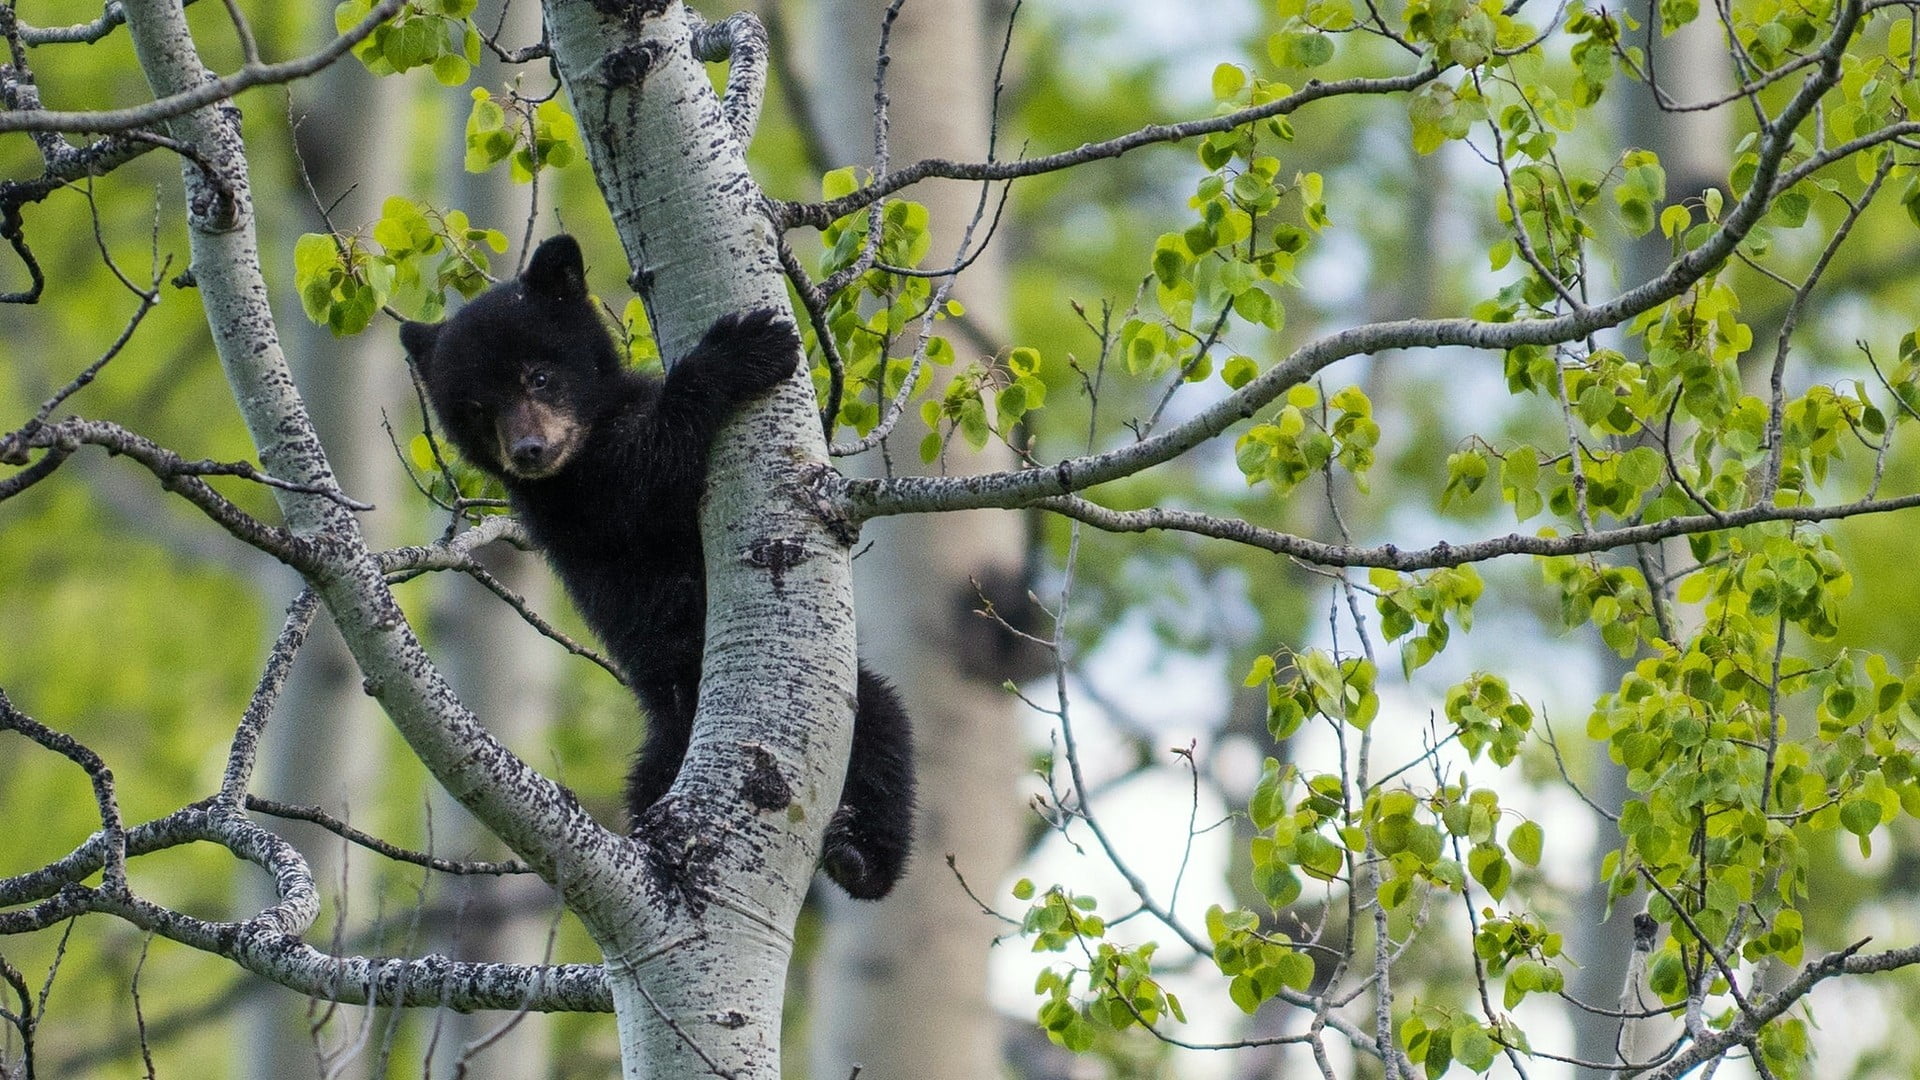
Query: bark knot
679	858
765	787
629	64
778	555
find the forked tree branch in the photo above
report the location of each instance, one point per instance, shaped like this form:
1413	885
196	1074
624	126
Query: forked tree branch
742	41
176	474
205	93
864	498
268	944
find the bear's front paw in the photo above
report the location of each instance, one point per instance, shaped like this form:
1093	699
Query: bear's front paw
761	346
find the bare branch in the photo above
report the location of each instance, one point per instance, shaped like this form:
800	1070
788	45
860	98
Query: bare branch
455	552
1776	382
314	815
1747	1023
79	382
246	738
1448	554
269	944
177	475
1137	884
207	93
815	303
536	51
820	215
532	618
114	833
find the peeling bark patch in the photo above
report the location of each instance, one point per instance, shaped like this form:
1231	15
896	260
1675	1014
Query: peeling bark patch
679	860
629	64
778	555
765	788
732	1020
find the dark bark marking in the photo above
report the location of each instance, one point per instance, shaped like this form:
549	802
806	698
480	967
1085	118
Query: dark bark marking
765	787
778	554
630	13
679	859
629	64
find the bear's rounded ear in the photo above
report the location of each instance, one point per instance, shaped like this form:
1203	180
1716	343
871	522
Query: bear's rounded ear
556	270
419	339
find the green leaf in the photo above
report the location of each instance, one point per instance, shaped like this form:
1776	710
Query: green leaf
1526	842
1860	816
1228	79
1910	199
838	183
1296	970
313	255
1666	975
451	69
1011	403
1472	1047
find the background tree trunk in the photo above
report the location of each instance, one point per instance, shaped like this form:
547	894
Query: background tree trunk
502	669
1691	65
353	137
900	987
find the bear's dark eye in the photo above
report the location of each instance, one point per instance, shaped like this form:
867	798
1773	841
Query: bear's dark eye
473	409
537	380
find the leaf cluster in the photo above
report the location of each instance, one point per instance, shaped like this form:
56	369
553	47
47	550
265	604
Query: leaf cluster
421	253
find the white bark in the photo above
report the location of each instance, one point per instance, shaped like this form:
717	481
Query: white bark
695	916
697	982
535	817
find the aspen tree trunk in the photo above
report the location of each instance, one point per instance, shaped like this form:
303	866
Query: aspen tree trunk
694	913
900	987
697	969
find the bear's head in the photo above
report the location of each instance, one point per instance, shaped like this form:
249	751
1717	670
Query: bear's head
518	376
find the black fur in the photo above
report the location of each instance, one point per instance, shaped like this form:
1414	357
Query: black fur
606	467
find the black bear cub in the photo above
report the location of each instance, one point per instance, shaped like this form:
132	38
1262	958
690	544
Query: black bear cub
606	467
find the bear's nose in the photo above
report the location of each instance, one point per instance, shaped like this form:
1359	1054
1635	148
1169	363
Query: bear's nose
529	453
